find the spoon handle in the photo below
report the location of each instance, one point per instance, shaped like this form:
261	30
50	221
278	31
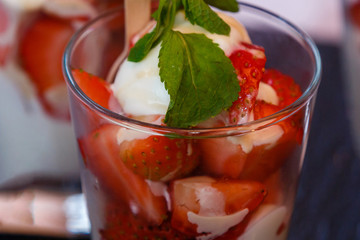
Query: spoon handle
137	15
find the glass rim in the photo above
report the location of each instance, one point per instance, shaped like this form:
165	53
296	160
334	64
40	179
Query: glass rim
196	131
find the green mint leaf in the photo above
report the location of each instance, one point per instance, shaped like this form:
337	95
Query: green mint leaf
165	17
142	47
226	5
156	14
198	12
199	78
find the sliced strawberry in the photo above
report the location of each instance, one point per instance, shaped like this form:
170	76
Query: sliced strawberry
264	160
249	63
101	156
286	88
94	87
41	50
159	158
288	92
221	157
261	153
122	224
200	202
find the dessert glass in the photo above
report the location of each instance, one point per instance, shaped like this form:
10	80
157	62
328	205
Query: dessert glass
124	205
38	150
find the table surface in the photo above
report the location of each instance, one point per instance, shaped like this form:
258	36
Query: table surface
328	201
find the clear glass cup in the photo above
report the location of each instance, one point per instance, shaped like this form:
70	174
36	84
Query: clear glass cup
243	162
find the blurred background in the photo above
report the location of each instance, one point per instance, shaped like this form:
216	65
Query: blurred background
40	194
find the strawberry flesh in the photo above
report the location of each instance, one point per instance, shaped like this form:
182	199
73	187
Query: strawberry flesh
249	63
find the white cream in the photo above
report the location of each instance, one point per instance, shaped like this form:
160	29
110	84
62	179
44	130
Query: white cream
129	135
211	201
265	224
227	43
211	219
138	87
267	136
267	93
24	5
160	189
217	225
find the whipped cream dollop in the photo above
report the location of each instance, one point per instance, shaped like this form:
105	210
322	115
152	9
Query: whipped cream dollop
138	87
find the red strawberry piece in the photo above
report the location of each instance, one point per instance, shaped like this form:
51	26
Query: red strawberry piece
221	157
159	158
224	157
122	224
201	203
100	151
41	50
286	88
94	87
288	92
264	160
249	63
275	185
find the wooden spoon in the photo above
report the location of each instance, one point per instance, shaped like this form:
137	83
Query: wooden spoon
137	15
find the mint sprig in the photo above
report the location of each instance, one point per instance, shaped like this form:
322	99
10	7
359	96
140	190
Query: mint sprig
199	78
226	5
198	12
165	20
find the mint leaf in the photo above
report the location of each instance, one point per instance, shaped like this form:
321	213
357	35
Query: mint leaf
142	47
199	78
226	5
156	14
198	12
165	17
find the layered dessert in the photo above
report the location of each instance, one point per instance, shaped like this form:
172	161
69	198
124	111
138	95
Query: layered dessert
191	72
37	144
33	36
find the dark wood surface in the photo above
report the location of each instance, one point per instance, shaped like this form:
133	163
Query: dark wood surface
328	200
